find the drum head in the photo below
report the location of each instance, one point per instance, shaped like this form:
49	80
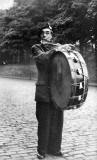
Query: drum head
60	80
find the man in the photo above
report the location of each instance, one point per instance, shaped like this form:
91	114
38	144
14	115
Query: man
50	119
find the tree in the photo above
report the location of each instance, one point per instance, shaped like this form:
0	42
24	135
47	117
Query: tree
69	18
92	16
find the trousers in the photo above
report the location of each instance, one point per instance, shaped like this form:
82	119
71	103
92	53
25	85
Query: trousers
50	125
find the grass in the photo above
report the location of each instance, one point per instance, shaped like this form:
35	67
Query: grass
18	71
30	71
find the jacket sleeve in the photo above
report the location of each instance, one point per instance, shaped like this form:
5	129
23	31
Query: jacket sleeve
38	55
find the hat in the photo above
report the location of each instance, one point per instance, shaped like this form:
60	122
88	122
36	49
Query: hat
46	25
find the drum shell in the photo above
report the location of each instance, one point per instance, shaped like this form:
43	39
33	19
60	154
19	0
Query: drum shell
68	79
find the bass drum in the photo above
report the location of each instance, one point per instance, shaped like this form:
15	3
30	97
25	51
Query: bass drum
68	78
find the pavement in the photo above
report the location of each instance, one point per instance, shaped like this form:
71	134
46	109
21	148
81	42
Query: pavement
18	131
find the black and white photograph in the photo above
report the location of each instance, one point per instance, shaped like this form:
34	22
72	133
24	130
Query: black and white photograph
48	79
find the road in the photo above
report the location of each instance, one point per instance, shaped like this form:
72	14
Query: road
18	131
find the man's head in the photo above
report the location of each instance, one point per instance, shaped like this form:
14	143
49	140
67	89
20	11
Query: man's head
46	34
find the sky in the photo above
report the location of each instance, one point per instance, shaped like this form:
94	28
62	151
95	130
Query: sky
6	4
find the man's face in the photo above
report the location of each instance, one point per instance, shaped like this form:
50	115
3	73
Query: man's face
46	35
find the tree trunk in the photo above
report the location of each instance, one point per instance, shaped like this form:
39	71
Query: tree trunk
18	57
96	55
81	48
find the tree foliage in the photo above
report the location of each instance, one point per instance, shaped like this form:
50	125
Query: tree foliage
72	20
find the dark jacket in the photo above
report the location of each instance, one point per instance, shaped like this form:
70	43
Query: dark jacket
41	56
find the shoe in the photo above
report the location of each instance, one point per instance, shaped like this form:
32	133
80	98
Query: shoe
40	156
58	154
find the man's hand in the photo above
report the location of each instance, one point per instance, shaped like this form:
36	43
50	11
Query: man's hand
50	53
